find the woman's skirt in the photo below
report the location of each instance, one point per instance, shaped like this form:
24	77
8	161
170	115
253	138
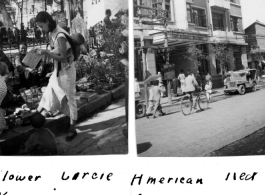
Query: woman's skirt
60	93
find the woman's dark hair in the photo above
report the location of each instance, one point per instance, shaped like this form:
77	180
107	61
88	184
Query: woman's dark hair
37	120
108	12
181	71
43	17
23	43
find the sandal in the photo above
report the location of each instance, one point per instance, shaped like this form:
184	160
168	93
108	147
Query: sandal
70	136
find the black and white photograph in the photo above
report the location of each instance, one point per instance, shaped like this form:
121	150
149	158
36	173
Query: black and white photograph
199	77
63	77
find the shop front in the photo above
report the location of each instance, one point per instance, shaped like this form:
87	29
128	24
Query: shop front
178	43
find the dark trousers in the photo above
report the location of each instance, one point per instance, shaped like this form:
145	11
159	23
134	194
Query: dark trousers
157	107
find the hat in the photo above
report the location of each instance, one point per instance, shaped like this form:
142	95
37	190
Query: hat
119	13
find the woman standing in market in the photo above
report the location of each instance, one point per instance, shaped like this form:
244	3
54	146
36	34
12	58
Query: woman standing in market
3	91
60	92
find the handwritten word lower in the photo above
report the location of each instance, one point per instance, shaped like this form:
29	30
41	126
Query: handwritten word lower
242	176
10	177
168	180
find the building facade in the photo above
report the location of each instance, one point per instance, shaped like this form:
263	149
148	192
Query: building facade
201	22
255	34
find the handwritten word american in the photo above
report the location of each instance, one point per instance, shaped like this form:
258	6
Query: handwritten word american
168	180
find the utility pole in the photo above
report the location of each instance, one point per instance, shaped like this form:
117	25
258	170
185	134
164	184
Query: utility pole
45	5
21	10
169	95
143	52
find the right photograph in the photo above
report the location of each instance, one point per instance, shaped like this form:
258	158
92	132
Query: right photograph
199	77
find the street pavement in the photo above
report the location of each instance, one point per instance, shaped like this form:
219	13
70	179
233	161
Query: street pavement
98	135
230	118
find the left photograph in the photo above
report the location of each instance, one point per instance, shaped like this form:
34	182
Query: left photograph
63	77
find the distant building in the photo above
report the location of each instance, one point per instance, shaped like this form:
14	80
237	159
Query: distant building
256	39
202	22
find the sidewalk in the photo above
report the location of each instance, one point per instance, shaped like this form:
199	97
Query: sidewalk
215	93
11	140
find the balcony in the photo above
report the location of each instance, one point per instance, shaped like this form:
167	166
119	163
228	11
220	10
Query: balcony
220	4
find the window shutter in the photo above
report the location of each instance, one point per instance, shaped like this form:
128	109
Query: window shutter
193	18
204	21
240	27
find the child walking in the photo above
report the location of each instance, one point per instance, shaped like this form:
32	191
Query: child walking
208	89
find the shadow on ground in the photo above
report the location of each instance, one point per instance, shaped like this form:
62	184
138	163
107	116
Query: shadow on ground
143	147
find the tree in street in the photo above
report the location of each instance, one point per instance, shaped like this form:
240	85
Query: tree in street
223	54
194	55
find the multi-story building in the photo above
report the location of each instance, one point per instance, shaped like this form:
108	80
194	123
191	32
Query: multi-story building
202	22
255	34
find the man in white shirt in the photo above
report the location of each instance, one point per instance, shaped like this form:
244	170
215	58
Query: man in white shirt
191	82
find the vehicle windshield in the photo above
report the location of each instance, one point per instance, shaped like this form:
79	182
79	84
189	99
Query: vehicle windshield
238	76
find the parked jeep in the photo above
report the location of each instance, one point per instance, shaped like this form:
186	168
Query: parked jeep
241	81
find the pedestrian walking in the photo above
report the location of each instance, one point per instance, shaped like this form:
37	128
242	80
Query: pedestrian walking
160	83
208	89
157	98
60	92
151	100
181	78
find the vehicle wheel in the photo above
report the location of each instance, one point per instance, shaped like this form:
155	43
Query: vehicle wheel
186	105
202	101
140	110
242	90
254	88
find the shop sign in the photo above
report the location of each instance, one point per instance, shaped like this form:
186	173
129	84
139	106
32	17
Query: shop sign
182	35
169	75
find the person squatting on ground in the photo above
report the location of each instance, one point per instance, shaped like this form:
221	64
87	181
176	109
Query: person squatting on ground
156	94
60	92
190	84
208	90
42	141
28	77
